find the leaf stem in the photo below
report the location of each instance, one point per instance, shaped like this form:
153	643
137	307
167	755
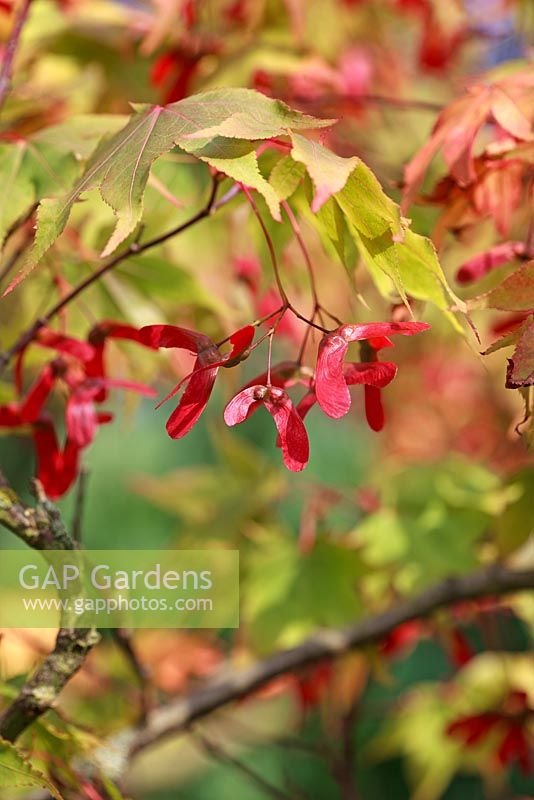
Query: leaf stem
317	306
270	245
287	303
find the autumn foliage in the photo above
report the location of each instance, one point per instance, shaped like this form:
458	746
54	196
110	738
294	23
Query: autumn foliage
307	231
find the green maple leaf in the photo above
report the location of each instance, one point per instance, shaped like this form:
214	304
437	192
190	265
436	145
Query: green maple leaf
397	258
219	127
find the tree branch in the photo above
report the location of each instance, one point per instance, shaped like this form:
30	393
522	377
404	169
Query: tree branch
123	639
11	49
42	529
330	643
41	691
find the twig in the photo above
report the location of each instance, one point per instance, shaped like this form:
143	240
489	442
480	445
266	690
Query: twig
220	754
133	249
41	527
79	505
346	765
123	639
11	49
401	103
18	225
330	643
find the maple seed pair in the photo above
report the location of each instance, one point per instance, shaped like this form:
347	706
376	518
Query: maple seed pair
201	379
334	376
329	387
292	435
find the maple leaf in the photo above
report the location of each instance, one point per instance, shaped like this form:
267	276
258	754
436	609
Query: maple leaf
496	193
396	257
506	102
328	172
220	127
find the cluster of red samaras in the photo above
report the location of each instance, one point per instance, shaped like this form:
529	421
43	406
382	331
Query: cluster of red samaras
328	387
80	369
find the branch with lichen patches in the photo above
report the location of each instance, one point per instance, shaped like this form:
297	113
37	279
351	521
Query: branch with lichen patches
496	580
42	529
41	691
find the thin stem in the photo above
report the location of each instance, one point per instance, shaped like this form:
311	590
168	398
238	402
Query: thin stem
11	49
18	225
123	639
217	752
269	356
272	329
308	321
255	324
79	506
287	303
270	245
317	306
305	339
229	195
133	249
307	260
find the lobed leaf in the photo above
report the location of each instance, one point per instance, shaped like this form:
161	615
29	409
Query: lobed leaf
395	256
366	206
240	114
218	127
